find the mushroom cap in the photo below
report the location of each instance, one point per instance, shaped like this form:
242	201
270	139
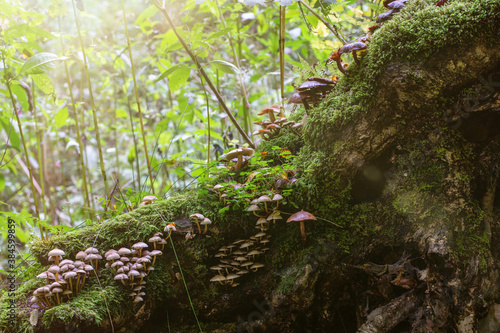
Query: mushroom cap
138	299
232	276
69	275
277	197
124	251
43	275
56	252
263	198
65	262
295	99
301	216
257	265
198	216
253	208
218	278
385	16
113	256
269	109
54	269
218	186
356	46
395	5
240	152
139	245
155	239
149	198
206	221
261	220
91	250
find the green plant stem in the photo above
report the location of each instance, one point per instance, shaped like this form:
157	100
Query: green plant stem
208	120
94	114
7	82
38	147
328	25
204	74
137	100
282	53
134	139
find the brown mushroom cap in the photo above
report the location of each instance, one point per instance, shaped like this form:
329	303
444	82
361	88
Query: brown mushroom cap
301	216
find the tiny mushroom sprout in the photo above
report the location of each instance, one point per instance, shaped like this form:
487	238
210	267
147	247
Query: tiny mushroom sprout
198	217
239	153
301	217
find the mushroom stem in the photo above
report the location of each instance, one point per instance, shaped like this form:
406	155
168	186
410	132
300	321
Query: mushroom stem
154	259
254	213
58	300
206	229
198	223
265	206
355	56
271	117
340	67
303	232
238	164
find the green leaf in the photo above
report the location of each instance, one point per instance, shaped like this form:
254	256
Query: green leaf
21	96
178	78
198	172
219	33
225	67
169	71
61	117
13	137
40	63
43	82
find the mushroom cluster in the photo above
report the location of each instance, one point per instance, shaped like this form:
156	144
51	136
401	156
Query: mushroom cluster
272	126
313	91
131	266
239	258
65	278
240	156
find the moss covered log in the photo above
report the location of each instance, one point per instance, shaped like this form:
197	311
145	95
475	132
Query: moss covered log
397	156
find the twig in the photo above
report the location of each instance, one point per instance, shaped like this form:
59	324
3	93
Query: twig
328	25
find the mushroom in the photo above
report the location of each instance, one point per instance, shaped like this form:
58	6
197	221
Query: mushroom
301	217
218	278
270	110
385	16
55	254
168	229
353	48
239	153
277	198
197	217
264	199
255	267
139	246
154	254
155	240
205	222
